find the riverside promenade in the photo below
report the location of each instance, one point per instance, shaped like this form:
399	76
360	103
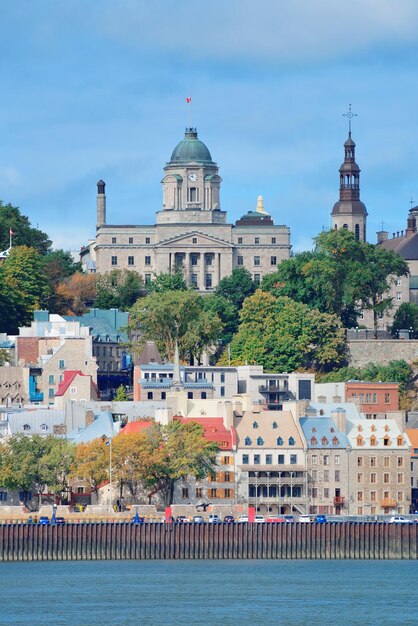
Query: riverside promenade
122	540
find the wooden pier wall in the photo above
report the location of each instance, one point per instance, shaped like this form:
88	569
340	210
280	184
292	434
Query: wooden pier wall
91	541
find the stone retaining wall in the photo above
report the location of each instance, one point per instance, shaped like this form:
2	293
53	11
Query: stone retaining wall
363	351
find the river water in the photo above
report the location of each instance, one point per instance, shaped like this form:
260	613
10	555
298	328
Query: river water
237	593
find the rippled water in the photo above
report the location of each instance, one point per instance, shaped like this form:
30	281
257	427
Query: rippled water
235	593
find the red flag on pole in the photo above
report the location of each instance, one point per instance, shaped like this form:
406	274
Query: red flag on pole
188	99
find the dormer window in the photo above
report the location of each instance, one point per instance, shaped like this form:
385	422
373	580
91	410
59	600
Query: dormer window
255	425
373	428
399	441
335	441
386	440
372	440
359	428
247	441
332	430
291	441
260	441
313	441
279	441
274	424
360	441
324	441
314	429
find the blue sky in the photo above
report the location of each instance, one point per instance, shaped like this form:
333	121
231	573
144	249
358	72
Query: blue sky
96	89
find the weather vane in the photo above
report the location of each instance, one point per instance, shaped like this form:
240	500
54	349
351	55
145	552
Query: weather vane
350	116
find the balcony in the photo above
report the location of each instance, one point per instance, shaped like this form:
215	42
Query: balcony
36	396
271	389
339	501
387	503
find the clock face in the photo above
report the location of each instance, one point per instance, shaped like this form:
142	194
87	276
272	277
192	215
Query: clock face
193	177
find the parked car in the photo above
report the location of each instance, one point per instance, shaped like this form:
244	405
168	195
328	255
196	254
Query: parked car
182	519
289	519
60	521
320	519
243	519
214	519
274	519
229	519
198	519
399	519
259	519
304	519
44	520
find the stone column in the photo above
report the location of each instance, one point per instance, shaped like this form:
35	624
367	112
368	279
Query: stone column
170	262
187	268
215	269
202	271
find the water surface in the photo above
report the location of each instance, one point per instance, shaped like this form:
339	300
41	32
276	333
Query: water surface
235	593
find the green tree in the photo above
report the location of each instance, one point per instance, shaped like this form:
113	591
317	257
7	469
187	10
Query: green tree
406	317
284	335
121	395
341	276
236	287
56	466
176	317
379	270
175	452
119	289
23	288
168	281
59	265
4	357
229	316
26	463
24	235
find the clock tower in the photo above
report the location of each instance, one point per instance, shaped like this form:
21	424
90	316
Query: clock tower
191	183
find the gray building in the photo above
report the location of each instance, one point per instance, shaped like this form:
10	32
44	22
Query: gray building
191	229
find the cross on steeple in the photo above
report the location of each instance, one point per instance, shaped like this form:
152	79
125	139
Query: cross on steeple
411	202
350	116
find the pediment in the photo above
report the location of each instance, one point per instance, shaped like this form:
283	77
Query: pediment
186	240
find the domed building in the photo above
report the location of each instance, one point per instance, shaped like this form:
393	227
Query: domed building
191	229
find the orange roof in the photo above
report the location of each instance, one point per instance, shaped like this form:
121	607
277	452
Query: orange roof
214	430
413	438
135	427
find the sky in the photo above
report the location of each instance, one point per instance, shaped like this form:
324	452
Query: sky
97	89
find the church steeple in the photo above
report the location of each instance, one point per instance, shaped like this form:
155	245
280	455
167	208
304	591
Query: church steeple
349	212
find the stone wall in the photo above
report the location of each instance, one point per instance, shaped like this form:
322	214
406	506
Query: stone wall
364	351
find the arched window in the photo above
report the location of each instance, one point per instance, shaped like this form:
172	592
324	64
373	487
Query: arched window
335	441
357	231
324	441
345	226
44	427
255	425
26	427
247	441
313	441
274	424
279	441
260	441
291	441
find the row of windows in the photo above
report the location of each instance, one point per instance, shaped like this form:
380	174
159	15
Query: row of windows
326	476
213	492
318	493
326	459
386	478
131	260
370	398
373	496
386	461
268	459
260	442
256	240
24	496
257	260
131	240
203	395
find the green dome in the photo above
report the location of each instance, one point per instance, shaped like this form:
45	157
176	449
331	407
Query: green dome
191	149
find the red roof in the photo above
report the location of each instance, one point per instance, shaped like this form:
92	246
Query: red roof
214	430
69	376
135	427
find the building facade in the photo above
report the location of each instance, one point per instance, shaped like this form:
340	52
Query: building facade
191	229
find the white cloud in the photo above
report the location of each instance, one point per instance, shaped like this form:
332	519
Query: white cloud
275	30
